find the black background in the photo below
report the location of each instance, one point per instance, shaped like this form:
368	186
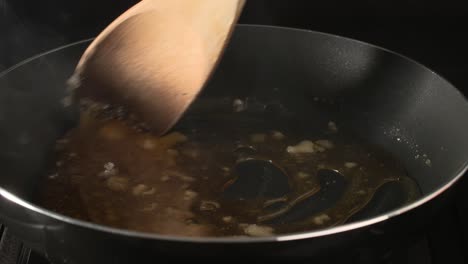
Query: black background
431	32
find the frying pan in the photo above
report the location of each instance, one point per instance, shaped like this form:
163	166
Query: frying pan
387	99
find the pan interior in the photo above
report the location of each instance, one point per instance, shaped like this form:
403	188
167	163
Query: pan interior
225	170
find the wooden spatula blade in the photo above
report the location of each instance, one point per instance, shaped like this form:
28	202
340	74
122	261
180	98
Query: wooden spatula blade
156	57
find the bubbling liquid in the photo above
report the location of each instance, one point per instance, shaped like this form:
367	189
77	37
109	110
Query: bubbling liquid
112	171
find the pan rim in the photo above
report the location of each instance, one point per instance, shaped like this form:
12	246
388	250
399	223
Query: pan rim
234	240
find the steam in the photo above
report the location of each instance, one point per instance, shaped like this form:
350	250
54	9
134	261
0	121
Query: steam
21	38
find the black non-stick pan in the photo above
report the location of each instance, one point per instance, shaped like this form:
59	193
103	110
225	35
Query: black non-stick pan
379	96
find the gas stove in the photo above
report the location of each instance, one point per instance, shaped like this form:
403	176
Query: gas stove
431	34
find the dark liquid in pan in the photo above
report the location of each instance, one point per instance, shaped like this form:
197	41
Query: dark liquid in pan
110	172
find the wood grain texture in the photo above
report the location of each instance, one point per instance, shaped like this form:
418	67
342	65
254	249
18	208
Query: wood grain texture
156	57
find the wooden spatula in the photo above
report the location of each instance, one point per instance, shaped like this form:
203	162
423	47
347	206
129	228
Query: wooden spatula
156	57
